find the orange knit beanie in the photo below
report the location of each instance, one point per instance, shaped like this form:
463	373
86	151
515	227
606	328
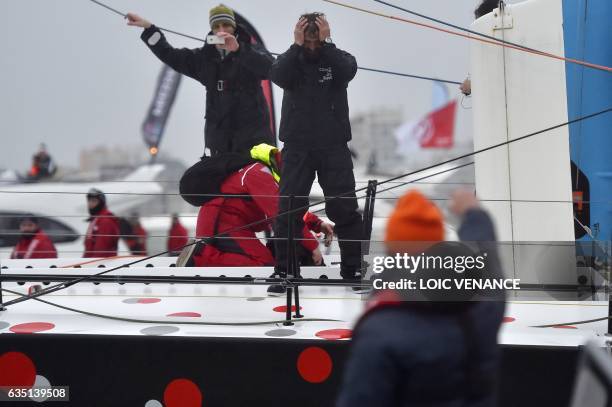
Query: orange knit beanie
415	219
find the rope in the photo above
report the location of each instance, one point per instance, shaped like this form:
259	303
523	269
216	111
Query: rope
170	322
276	54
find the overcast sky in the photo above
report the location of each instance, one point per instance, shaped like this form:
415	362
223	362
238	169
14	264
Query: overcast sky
75	76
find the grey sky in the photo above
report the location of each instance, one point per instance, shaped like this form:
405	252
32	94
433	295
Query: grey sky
74	75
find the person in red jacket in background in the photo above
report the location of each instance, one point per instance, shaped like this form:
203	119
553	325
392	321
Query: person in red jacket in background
33	243
137	236
103	233
177	236
240	246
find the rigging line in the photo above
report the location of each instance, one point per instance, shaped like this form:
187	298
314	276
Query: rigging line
177	182
274	53
62	286
428	176
494	146
173	322
409	75
408	182
485	40
587	321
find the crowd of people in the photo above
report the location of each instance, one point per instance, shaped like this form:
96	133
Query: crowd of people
103	234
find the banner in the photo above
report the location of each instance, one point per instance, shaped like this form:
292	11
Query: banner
159	110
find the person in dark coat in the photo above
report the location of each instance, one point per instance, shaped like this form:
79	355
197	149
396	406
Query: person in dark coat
426	353
315	129
237	114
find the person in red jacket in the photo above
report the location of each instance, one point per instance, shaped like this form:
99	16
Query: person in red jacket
33	243
177	236
137	236
240	246
103	233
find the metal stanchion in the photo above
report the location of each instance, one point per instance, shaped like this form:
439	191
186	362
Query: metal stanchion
368	215
290	260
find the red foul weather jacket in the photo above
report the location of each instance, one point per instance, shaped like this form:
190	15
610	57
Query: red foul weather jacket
38	246
260	201
102	235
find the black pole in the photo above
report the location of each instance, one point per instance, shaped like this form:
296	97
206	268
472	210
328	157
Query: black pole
288	311
297	303
290	240
290	260
368	214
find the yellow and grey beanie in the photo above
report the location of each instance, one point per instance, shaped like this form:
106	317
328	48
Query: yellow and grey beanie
222	13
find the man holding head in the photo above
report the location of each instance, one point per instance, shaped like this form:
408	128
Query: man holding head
315	129
237	115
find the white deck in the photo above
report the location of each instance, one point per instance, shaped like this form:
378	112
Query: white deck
249	303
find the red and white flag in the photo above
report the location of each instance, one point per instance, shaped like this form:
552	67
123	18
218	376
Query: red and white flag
435	130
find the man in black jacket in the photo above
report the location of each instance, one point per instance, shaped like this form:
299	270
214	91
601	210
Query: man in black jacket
237	115
315	129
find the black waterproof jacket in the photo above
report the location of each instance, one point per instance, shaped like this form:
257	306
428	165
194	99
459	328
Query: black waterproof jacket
237	114
315	112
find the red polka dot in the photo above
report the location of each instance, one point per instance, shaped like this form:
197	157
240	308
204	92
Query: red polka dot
335	334
565	327
182	393
16	369
185	314
508	319
31	327
314	364
283	308
148	300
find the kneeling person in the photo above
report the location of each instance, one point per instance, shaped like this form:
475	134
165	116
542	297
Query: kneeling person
250	195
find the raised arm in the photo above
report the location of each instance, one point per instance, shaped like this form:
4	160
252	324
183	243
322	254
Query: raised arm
185	61
344	65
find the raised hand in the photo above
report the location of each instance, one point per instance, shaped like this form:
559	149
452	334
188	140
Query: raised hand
324	30
463	200
137	21
231	44
298	32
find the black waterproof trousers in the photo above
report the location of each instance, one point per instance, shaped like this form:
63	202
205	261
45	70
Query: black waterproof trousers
334	168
